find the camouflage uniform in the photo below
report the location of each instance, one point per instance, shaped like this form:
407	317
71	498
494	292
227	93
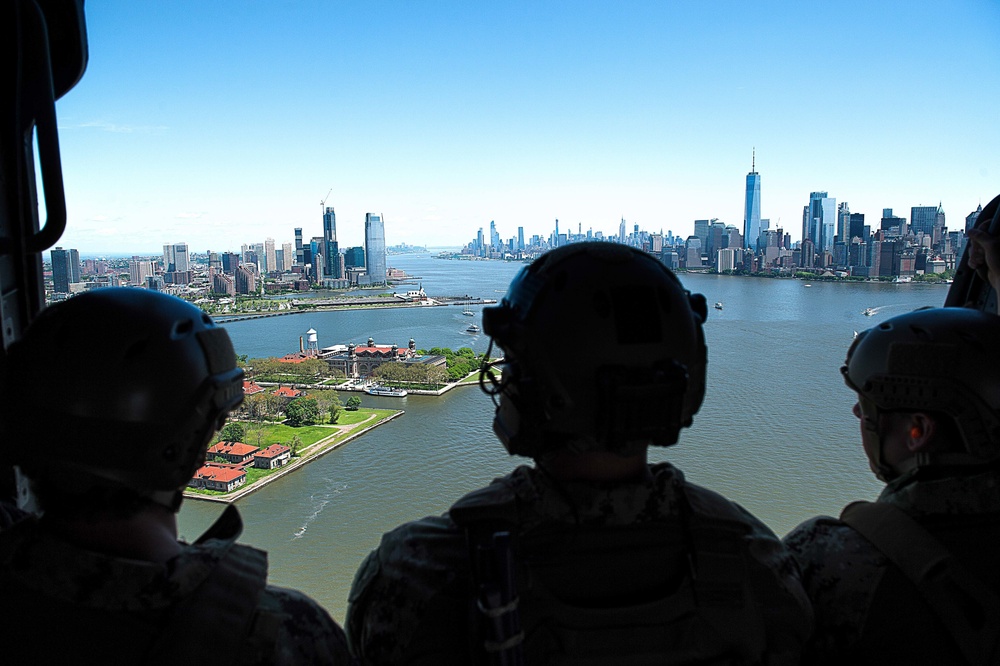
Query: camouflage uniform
866	610
410	598
64	604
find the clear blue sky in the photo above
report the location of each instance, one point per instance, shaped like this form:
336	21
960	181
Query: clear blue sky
221	123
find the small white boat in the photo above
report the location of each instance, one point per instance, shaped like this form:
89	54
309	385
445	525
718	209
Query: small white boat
868	312
472	329
468	313
386	391
718	305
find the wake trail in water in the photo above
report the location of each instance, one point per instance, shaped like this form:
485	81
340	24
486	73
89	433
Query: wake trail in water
319	502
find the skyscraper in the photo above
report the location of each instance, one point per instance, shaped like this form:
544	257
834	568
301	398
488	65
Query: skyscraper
299	255
331	251
65	269
856	227
751	210
922	219
270	258
843	222
819	221
375	248
175	258
971	218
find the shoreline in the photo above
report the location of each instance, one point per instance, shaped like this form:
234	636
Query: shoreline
452	300
324	447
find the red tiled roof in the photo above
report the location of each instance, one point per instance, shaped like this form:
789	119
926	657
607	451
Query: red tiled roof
294	358
287	392
232	448
249	388
222	474
272	451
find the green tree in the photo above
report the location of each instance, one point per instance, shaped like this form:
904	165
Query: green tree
295	444
302	411
336	408
353	403
234	431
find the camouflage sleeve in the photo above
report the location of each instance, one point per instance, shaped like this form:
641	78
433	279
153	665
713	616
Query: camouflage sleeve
407	603
840	573
773	576
775	580
304	633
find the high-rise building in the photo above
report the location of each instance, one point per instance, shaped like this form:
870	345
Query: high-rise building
299	257
354	257
843	222
245	280
230	260
892	226
175	258
819	221
520	238
139	269
65	269
922	219
375	248
970	219
331	251
701	230
287	257
856	228
751	209
270	258
316	251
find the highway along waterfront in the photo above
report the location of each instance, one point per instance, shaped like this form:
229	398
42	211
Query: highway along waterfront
775	433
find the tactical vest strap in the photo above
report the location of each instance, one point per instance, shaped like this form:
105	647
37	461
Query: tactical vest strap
965	606
219	613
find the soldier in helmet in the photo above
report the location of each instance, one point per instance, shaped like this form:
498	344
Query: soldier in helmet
107	406
591	555
912	577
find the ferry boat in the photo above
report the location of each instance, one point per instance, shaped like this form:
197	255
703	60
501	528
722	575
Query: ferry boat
386	391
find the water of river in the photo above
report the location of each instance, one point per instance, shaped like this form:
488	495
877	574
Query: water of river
775	433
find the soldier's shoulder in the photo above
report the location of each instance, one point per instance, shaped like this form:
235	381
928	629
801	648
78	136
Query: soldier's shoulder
304	633
708	504
840	571
417	575
822	537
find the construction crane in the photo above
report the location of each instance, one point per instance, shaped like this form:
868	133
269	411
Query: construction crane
322	204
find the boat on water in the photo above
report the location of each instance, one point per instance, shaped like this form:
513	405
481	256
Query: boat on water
468	313
472	329
807	285
718	305
868	312
386	391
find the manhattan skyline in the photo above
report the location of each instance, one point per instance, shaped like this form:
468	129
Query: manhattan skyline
213	122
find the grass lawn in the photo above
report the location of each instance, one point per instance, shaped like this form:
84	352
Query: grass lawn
277	433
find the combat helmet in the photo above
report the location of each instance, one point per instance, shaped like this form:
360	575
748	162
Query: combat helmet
118	387
604	351
939	360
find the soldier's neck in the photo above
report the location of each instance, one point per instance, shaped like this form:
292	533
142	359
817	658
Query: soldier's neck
149	535
598	466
